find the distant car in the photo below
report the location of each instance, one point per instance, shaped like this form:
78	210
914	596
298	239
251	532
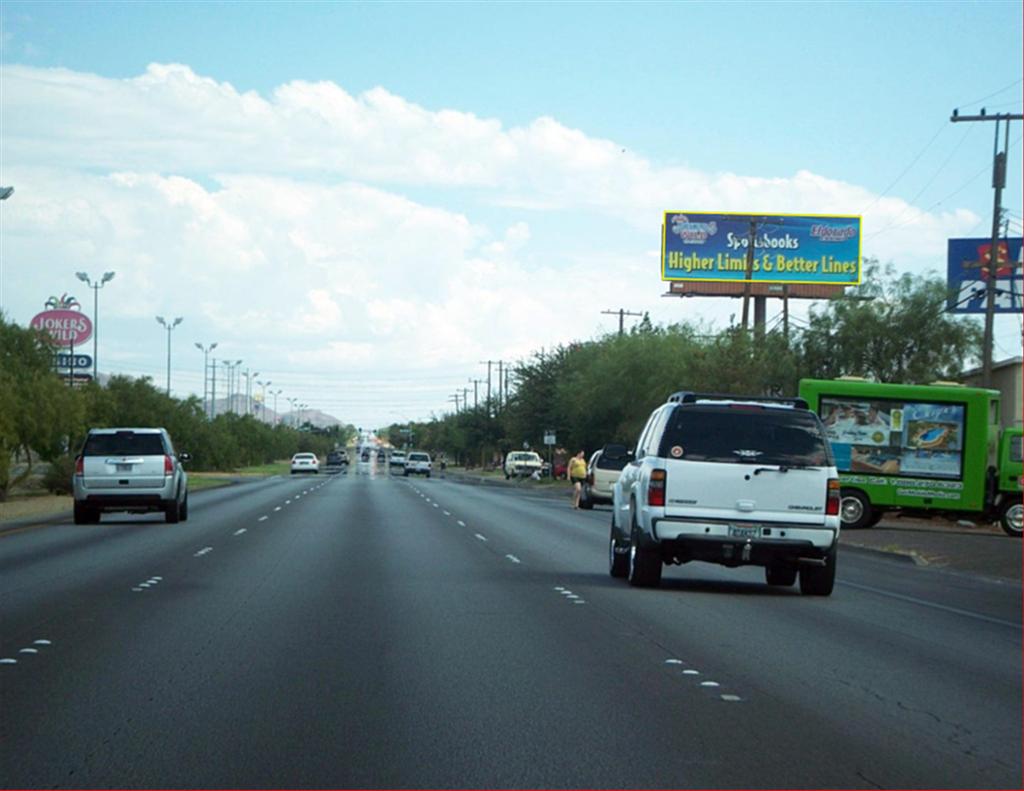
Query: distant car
602	472
305	462
336	460
417	463
397	460
129	469
522	463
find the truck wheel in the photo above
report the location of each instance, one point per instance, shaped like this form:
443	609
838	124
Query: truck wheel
819	580
618	554
855	509
644	570
780	574
1011	518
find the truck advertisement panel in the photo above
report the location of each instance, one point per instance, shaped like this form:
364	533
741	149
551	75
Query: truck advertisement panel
967	271
885	437
788	248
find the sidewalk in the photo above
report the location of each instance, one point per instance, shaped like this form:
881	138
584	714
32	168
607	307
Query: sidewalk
982	549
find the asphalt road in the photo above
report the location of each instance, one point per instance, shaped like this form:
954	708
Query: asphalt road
386	632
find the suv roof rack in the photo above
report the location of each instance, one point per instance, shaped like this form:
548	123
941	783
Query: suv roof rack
689	397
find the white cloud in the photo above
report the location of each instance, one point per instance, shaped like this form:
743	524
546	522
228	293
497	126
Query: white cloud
277	225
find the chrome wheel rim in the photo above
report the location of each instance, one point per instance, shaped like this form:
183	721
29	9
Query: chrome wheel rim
1015	518
851	509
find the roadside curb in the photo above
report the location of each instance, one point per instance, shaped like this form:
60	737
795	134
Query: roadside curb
519	486
902	556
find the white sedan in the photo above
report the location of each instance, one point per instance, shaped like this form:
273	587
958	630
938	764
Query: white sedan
305	462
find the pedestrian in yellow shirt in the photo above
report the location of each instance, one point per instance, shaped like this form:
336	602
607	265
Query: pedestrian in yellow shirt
577	474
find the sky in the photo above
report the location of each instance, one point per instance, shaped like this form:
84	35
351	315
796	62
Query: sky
364	201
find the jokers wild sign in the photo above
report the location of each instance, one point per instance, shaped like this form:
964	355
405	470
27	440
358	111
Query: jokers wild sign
788	248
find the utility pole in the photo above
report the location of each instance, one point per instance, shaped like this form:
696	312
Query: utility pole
622	313
501	382
455	398
488	363
476	382
465	398
213	388
998	183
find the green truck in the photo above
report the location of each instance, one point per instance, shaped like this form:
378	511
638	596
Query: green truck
920	449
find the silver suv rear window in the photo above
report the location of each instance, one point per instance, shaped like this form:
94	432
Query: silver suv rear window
124	443
743	434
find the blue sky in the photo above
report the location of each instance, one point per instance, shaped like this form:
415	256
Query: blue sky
856	94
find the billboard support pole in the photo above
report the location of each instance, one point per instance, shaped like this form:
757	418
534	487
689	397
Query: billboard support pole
750	271
998	182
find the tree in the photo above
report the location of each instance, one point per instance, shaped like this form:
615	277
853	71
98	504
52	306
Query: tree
891	329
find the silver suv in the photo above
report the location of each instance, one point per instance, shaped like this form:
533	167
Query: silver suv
731	480
129	469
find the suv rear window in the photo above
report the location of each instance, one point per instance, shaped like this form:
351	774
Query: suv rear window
418	457
124	443
605	462
745	435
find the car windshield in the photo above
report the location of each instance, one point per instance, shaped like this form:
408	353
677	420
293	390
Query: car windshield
745	435
124	443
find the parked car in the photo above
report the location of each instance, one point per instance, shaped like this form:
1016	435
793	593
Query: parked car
305	462
603	471
417	463
731	480
522	463
134	470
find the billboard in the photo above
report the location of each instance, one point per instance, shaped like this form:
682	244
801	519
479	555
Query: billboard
967	272
788	248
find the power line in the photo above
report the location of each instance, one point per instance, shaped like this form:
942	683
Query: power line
994	93
893	183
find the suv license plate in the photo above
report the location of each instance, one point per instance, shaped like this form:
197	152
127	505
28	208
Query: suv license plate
124	468
744	532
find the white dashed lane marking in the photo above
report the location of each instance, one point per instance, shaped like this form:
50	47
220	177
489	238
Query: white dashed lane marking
263	518
513	558
482	538
240	531
447	513
203	551
461	523
277	508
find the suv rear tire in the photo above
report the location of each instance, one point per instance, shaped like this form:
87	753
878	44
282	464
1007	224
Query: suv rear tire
644	570
780	574
85	515
585	502
819	580
172	512
618	562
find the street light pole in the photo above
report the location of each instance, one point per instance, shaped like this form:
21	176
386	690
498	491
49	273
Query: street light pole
276	394
107	277
206	370
170	326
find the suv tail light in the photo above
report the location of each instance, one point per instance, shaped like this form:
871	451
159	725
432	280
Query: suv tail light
168	465
80	465
656	488
832	501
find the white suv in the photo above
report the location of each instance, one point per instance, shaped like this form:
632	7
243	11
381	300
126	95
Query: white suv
730	480
129	469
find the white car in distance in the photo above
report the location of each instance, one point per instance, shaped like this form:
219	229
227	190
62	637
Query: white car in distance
305	462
